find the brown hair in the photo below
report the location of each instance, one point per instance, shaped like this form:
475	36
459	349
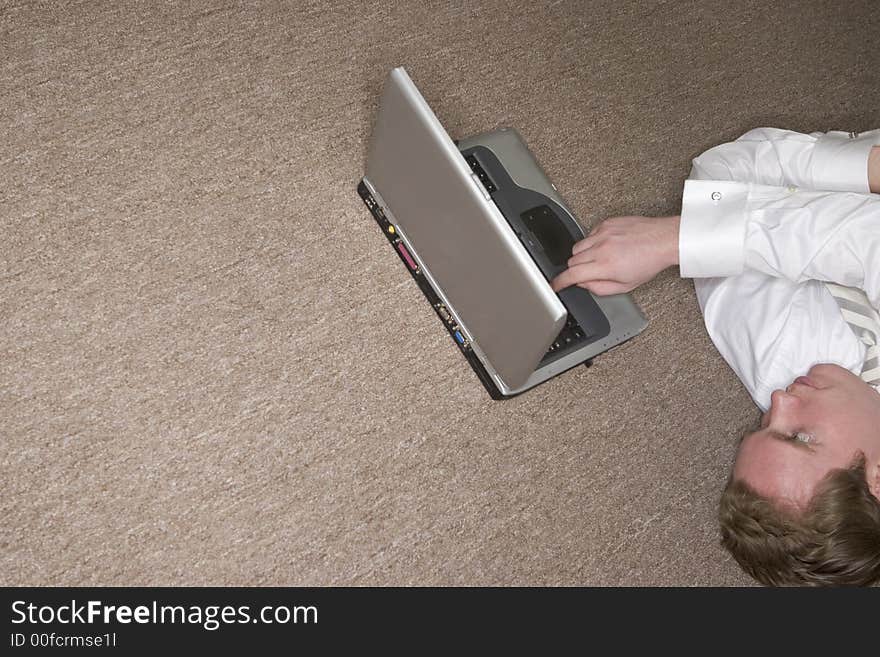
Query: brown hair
835	541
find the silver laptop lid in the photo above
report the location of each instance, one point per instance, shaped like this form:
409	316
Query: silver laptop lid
459	235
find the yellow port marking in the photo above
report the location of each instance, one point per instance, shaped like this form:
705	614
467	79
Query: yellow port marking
391	229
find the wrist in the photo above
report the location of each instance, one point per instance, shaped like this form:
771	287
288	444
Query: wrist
673	225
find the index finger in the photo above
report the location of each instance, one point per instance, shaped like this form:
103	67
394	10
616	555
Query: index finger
588	271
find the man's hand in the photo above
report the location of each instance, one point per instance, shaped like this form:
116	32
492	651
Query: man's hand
621	254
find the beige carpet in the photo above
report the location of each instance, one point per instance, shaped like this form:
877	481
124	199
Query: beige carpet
213	370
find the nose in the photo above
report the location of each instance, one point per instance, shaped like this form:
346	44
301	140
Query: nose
776	400
781	415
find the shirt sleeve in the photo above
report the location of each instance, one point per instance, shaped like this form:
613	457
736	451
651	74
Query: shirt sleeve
732	184
830	161
789	233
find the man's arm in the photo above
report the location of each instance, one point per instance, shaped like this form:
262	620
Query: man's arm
625	252
822	236
720	196
831	161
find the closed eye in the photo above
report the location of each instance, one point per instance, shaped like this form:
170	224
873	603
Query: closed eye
801	440
804	440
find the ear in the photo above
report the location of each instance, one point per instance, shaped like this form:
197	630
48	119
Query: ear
872	472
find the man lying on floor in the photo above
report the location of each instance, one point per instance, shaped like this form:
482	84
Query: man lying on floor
781	233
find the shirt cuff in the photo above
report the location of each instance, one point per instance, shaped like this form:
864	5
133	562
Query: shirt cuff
840	161
711	238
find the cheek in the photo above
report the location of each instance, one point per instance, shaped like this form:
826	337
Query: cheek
830	413
842	419
842	441
754	455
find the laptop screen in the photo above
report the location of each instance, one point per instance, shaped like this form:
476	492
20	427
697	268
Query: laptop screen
458	236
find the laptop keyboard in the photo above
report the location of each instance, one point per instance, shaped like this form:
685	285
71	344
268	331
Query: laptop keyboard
570	337
481	174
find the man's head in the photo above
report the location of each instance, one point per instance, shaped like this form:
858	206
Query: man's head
803	501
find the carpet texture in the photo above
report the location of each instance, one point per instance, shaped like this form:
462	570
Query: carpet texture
214	370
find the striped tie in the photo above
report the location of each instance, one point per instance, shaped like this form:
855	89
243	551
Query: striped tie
865	323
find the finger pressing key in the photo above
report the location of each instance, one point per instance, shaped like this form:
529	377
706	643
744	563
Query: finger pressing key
577	275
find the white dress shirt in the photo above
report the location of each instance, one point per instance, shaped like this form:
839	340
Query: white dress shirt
764	220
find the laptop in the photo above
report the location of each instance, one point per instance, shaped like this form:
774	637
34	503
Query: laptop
482	231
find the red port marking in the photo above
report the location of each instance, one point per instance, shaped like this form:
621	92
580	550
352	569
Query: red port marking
406	256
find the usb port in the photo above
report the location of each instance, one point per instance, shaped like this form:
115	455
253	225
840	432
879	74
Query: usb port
441	309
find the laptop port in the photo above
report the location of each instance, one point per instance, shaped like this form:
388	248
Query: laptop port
459	338
404	253
441	310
